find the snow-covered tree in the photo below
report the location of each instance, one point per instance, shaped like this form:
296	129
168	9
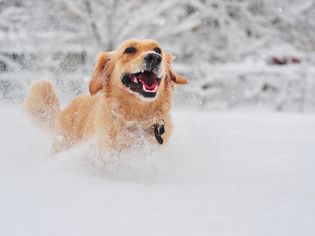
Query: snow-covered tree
57	35
197	31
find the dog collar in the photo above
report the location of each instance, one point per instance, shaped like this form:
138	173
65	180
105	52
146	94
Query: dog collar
159	130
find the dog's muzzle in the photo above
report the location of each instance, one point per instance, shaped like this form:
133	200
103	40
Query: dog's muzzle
146	81
152	61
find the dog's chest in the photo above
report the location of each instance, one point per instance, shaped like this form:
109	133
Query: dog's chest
135	132
138	134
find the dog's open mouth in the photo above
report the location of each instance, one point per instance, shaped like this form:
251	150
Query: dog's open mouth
145	83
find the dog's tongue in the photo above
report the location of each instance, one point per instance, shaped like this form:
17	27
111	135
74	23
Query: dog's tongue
148	80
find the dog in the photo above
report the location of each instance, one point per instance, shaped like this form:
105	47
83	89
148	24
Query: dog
129	102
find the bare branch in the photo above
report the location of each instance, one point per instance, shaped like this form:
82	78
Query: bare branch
93	24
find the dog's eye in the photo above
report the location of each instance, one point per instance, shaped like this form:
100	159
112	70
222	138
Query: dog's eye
130	50
157	50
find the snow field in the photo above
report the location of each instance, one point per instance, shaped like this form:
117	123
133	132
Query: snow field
222	174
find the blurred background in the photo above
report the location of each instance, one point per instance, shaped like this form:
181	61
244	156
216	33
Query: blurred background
237	54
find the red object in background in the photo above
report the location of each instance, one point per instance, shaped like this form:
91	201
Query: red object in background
296	60
279	60
285	60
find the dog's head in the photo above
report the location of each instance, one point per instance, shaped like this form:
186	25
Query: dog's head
139	68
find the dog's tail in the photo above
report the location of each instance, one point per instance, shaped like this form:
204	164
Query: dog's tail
42	103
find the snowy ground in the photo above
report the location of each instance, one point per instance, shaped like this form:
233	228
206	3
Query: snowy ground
222	174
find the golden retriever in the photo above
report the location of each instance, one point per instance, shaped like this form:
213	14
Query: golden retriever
129	102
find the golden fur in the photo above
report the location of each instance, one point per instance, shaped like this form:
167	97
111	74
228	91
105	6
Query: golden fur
117	117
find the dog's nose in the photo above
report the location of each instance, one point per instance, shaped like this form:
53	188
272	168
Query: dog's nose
152	60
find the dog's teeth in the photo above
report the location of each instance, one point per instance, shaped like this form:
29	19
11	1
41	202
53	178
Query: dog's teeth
149	91
135	80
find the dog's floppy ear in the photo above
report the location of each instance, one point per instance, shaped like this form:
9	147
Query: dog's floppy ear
176	78
102	71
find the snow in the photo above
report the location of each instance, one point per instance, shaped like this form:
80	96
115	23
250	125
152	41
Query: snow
231	168
223	173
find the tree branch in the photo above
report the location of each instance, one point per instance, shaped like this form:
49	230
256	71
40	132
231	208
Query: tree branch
93	24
